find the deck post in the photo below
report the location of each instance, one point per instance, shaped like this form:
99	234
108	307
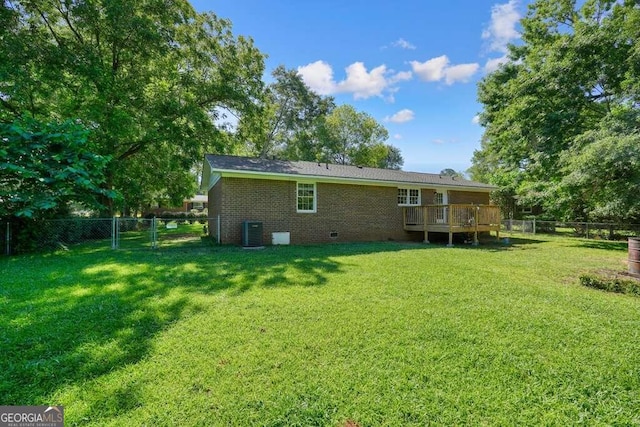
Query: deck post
425	224
450	221
476	242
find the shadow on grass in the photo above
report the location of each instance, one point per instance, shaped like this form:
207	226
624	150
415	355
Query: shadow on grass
609	245
491	243
68	318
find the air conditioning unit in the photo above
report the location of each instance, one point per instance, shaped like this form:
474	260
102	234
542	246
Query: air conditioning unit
251	233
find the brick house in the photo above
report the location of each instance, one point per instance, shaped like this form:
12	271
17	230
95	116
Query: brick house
314	202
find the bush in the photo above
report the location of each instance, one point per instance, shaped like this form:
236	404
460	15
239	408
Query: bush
182	217
611	284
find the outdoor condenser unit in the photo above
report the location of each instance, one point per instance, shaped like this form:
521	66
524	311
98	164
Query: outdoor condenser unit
251	233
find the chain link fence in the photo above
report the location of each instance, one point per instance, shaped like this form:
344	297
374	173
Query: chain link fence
176	233
588	230
108	233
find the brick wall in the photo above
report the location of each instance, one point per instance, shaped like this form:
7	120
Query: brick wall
215	206
468	197
355	213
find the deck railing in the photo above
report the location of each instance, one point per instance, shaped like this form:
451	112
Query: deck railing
464	216
452	219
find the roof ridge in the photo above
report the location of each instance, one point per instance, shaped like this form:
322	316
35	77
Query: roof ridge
321	169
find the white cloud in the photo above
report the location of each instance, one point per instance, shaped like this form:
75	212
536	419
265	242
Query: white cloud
493	64
401	116
401	76
397	136
403	44
502	28
362	83
476	119
431	70
438	68
460	73
440	141
359	81
319	77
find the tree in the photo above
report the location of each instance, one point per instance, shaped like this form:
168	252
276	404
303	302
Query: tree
602	171
43	167
574	69
146	78
293	122
355	138
452	173
287	117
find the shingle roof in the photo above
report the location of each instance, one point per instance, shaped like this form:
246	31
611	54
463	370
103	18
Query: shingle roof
327	170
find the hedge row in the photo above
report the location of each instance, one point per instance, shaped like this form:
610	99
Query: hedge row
180	217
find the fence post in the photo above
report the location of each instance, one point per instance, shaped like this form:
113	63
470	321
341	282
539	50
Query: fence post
115	231
534	226
587	227
219	227
8	239
154	233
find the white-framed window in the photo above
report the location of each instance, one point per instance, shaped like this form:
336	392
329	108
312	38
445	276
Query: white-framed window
408	196
306	197
527	209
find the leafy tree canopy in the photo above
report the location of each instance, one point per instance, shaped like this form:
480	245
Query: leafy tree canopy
45	166
145	77
576	68
348	136
295	123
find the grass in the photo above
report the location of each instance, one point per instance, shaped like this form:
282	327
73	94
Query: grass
338	335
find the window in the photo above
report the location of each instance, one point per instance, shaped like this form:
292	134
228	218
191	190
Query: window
409	196
306	197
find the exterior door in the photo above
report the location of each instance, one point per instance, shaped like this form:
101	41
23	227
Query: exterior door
440	198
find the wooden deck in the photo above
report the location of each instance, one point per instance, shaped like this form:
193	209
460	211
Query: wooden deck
452	219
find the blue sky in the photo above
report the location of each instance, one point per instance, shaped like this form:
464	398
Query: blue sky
411	64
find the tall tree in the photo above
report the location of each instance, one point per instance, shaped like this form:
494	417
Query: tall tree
574	69
291	121
353	137
286	118
145	77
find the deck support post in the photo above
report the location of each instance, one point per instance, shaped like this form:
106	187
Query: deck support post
450	222
426	236
476	242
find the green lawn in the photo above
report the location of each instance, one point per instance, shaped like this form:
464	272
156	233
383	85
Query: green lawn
339	335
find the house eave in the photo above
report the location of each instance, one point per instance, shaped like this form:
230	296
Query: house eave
226	173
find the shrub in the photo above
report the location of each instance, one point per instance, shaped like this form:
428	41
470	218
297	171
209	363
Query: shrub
182	217
611	284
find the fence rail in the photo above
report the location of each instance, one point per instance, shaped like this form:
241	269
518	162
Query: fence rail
108	233
589	230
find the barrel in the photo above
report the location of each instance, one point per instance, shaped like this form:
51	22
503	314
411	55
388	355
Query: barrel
634	256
